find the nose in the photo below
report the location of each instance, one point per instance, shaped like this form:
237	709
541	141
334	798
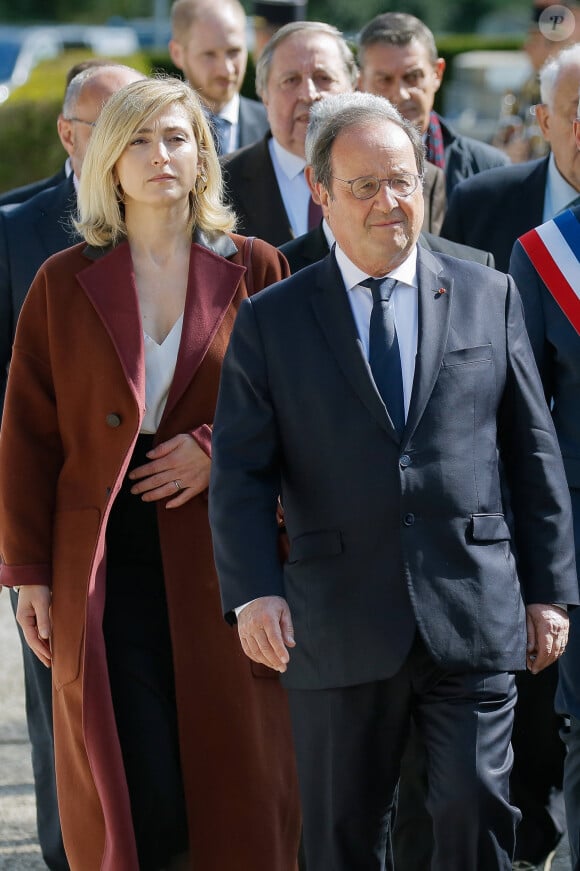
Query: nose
160	154
308	91
385	196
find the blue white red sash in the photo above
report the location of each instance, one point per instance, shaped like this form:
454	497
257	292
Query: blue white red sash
554	249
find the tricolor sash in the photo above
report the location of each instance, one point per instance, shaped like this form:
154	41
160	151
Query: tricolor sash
554	249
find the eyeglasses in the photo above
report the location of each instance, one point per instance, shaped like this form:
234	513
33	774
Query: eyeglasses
81	121
367	186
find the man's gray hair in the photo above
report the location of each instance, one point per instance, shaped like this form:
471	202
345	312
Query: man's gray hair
553	68
265	60
332	115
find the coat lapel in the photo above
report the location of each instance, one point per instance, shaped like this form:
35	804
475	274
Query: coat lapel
333	312
435	298
212	285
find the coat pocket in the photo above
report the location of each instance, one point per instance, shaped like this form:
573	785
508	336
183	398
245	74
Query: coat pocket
489	527
313	545
75	533
479	354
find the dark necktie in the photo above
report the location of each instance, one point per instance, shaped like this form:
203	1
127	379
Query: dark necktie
384	356
314	214
222	129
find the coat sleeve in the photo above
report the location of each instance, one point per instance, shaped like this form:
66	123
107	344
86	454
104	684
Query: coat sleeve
6	313
245	480
539	495
31	451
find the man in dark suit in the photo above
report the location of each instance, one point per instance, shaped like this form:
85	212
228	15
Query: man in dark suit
209	45
379	423
265	182
496	207
398	60
546	266
29	233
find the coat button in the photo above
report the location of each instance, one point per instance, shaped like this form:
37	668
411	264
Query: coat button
409	519
113	420
405	460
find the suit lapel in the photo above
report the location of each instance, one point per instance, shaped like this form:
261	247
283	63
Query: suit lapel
334	315
435	299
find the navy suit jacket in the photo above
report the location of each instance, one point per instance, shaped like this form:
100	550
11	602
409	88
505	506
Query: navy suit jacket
252	191
312	246
465	157
21	194
556	346
496	207
389	534
252	120
29	233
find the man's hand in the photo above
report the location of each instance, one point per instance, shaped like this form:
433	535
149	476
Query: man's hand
33	615
265	628
547	627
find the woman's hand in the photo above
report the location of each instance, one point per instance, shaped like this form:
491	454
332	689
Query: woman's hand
33	615
178	468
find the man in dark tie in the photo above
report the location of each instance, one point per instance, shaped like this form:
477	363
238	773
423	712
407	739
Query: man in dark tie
209	45
400	594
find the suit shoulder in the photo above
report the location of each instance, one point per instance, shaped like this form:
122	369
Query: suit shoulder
243	156
497	180
484	155
253	107
292	290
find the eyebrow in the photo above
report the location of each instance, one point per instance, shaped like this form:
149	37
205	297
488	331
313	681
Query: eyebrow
170	129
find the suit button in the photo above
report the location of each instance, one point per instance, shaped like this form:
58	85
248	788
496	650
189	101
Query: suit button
409	519
113	420
405	460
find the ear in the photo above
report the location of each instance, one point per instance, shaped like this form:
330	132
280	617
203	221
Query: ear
65	133
438	70
309	176
577	133
176	53
543	119
321	195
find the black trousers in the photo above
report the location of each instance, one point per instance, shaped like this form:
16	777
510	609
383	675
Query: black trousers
349	742
138	643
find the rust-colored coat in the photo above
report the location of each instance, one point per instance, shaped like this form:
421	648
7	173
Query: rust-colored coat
74	405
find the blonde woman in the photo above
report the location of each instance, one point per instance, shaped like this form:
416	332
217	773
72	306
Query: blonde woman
172	750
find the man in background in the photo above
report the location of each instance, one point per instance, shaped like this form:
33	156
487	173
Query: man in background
209	45
29	233
303	63
496	207
399	60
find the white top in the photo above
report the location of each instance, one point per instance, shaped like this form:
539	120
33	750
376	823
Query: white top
558	193
160	363
294	190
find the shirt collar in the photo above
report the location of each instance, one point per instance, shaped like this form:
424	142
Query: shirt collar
231	111
352	275
561	193
290	164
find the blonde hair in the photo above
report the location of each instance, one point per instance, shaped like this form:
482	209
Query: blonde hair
101	219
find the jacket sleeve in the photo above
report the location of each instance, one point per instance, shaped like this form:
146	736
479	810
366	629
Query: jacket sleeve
245	480
31	450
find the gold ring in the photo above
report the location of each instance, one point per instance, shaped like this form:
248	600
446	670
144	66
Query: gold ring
177	485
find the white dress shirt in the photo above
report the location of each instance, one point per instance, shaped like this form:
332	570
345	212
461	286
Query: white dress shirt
558	192
231	112
294	190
